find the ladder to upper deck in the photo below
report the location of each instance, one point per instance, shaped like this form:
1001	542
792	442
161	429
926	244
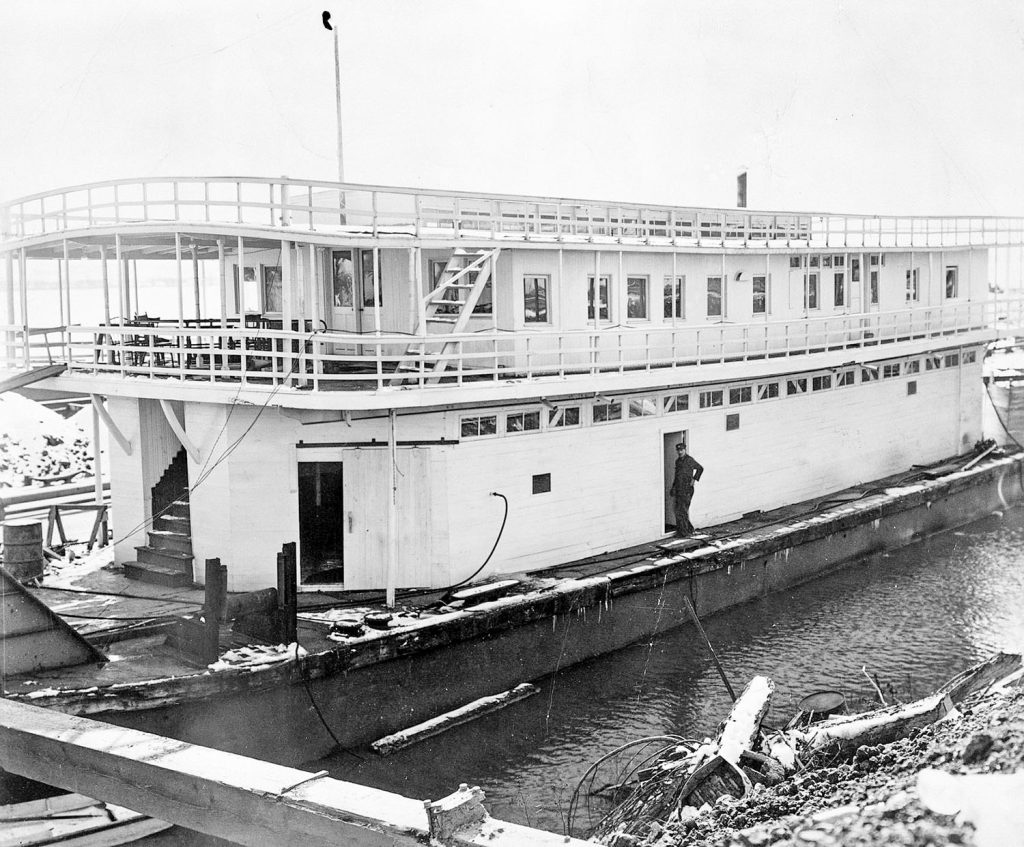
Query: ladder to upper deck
446	310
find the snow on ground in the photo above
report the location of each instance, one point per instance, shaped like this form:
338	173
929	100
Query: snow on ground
37	442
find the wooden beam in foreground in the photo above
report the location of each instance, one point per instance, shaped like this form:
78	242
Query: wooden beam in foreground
244	800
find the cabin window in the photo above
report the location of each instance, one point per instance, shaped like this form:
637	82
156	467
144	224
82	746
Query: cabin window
675	289
522	422
952	360
970	357
480	425
868	374
563	416
344	276
839	289
760	301
839	261
875	259
248	296
370	285
811	291
826	261
541	483
732	422
813	261
913	285
601	305
873	288
272	296
767	390
796	386
912	386
740	395
714	296
844	378
796	261
610	411
952	281
535	299
677	403
933	363
913	366
821	383
643	407
711	399
854	268
636	297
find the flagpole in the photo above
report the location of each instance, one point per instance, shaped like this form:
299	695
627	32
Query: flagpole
337	94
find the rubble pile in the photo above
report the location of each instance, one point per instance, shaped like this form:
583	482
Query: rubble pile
37	443
936	776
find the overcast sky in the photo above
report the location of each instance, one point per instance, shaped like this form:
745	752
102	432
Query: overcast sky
855	106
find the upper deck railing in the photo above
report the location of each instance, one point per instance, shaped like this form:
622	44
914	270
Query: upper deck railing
379	210
208	352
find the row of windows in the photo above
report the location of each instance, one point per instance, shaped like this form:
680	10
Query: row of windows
606	410
536	289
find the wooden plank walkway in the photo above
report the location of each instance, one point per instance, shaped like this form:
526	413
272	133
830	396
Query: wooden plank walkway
243	800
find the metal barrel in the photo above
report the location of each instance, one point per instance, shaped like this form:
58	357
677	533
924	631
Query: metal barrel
23	549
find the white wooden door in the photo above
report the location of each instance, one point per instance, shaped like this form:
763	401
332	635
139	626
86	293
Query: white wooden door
366	517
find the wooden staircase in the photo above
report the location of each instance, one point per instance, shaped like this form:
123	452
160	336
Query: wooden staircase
446	311
167	559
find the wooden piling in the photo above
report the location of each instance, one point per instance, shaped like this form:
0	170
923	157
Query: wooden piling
287	593
213	612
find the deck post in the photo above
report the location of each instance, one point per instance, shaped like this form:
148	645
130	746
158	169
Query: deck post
222	281
23	283
391	566
9	301
195	278
213	609
97	460
287	597
287	314
67	314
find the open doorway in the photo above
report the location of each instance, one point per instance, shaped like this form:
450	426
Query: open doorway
321	524
669	442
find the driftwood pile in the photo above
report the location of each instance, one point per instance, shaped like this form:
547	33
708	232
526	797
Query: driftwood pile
675	779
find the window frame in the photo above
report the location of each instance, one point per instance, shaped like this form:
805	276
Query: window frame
645	288
839	289
712	395
762	295
809	277
720	295
913	290
605	283
546	319
956	281
676	286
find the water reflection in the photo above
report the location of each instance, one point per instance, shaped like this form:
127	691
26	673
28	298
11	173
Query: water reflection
913	617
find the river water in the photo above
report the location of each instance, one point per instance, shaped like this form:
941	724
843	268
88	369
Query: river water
913	617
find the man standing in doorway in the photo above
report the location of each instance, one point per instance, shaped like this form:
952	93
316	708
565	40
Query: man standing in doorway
688	471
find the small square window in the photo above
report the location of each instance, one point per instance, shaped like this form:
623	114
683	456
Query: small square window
889	371
739	395
970	357
821	383
541	483
913	366
477	426
933	363
642	408
795	261
677	403
815	261
868	374
564	416
912	386
796	386
952	360
732	422
710	399
522	422
767	390
604	412
847	377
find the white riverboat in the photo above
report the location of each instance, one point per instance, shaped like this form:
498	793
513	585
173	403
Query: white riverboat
361	369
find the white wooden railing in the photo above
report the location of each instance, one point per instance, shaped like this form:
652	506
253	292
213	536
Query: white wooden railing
379	210
325	360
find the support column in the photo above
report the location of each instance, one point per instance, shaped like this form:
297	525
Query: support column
135	282
287	366
23	290
67	314
97	460
180	278
376	290
391	566
9	318
240	305
195	280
